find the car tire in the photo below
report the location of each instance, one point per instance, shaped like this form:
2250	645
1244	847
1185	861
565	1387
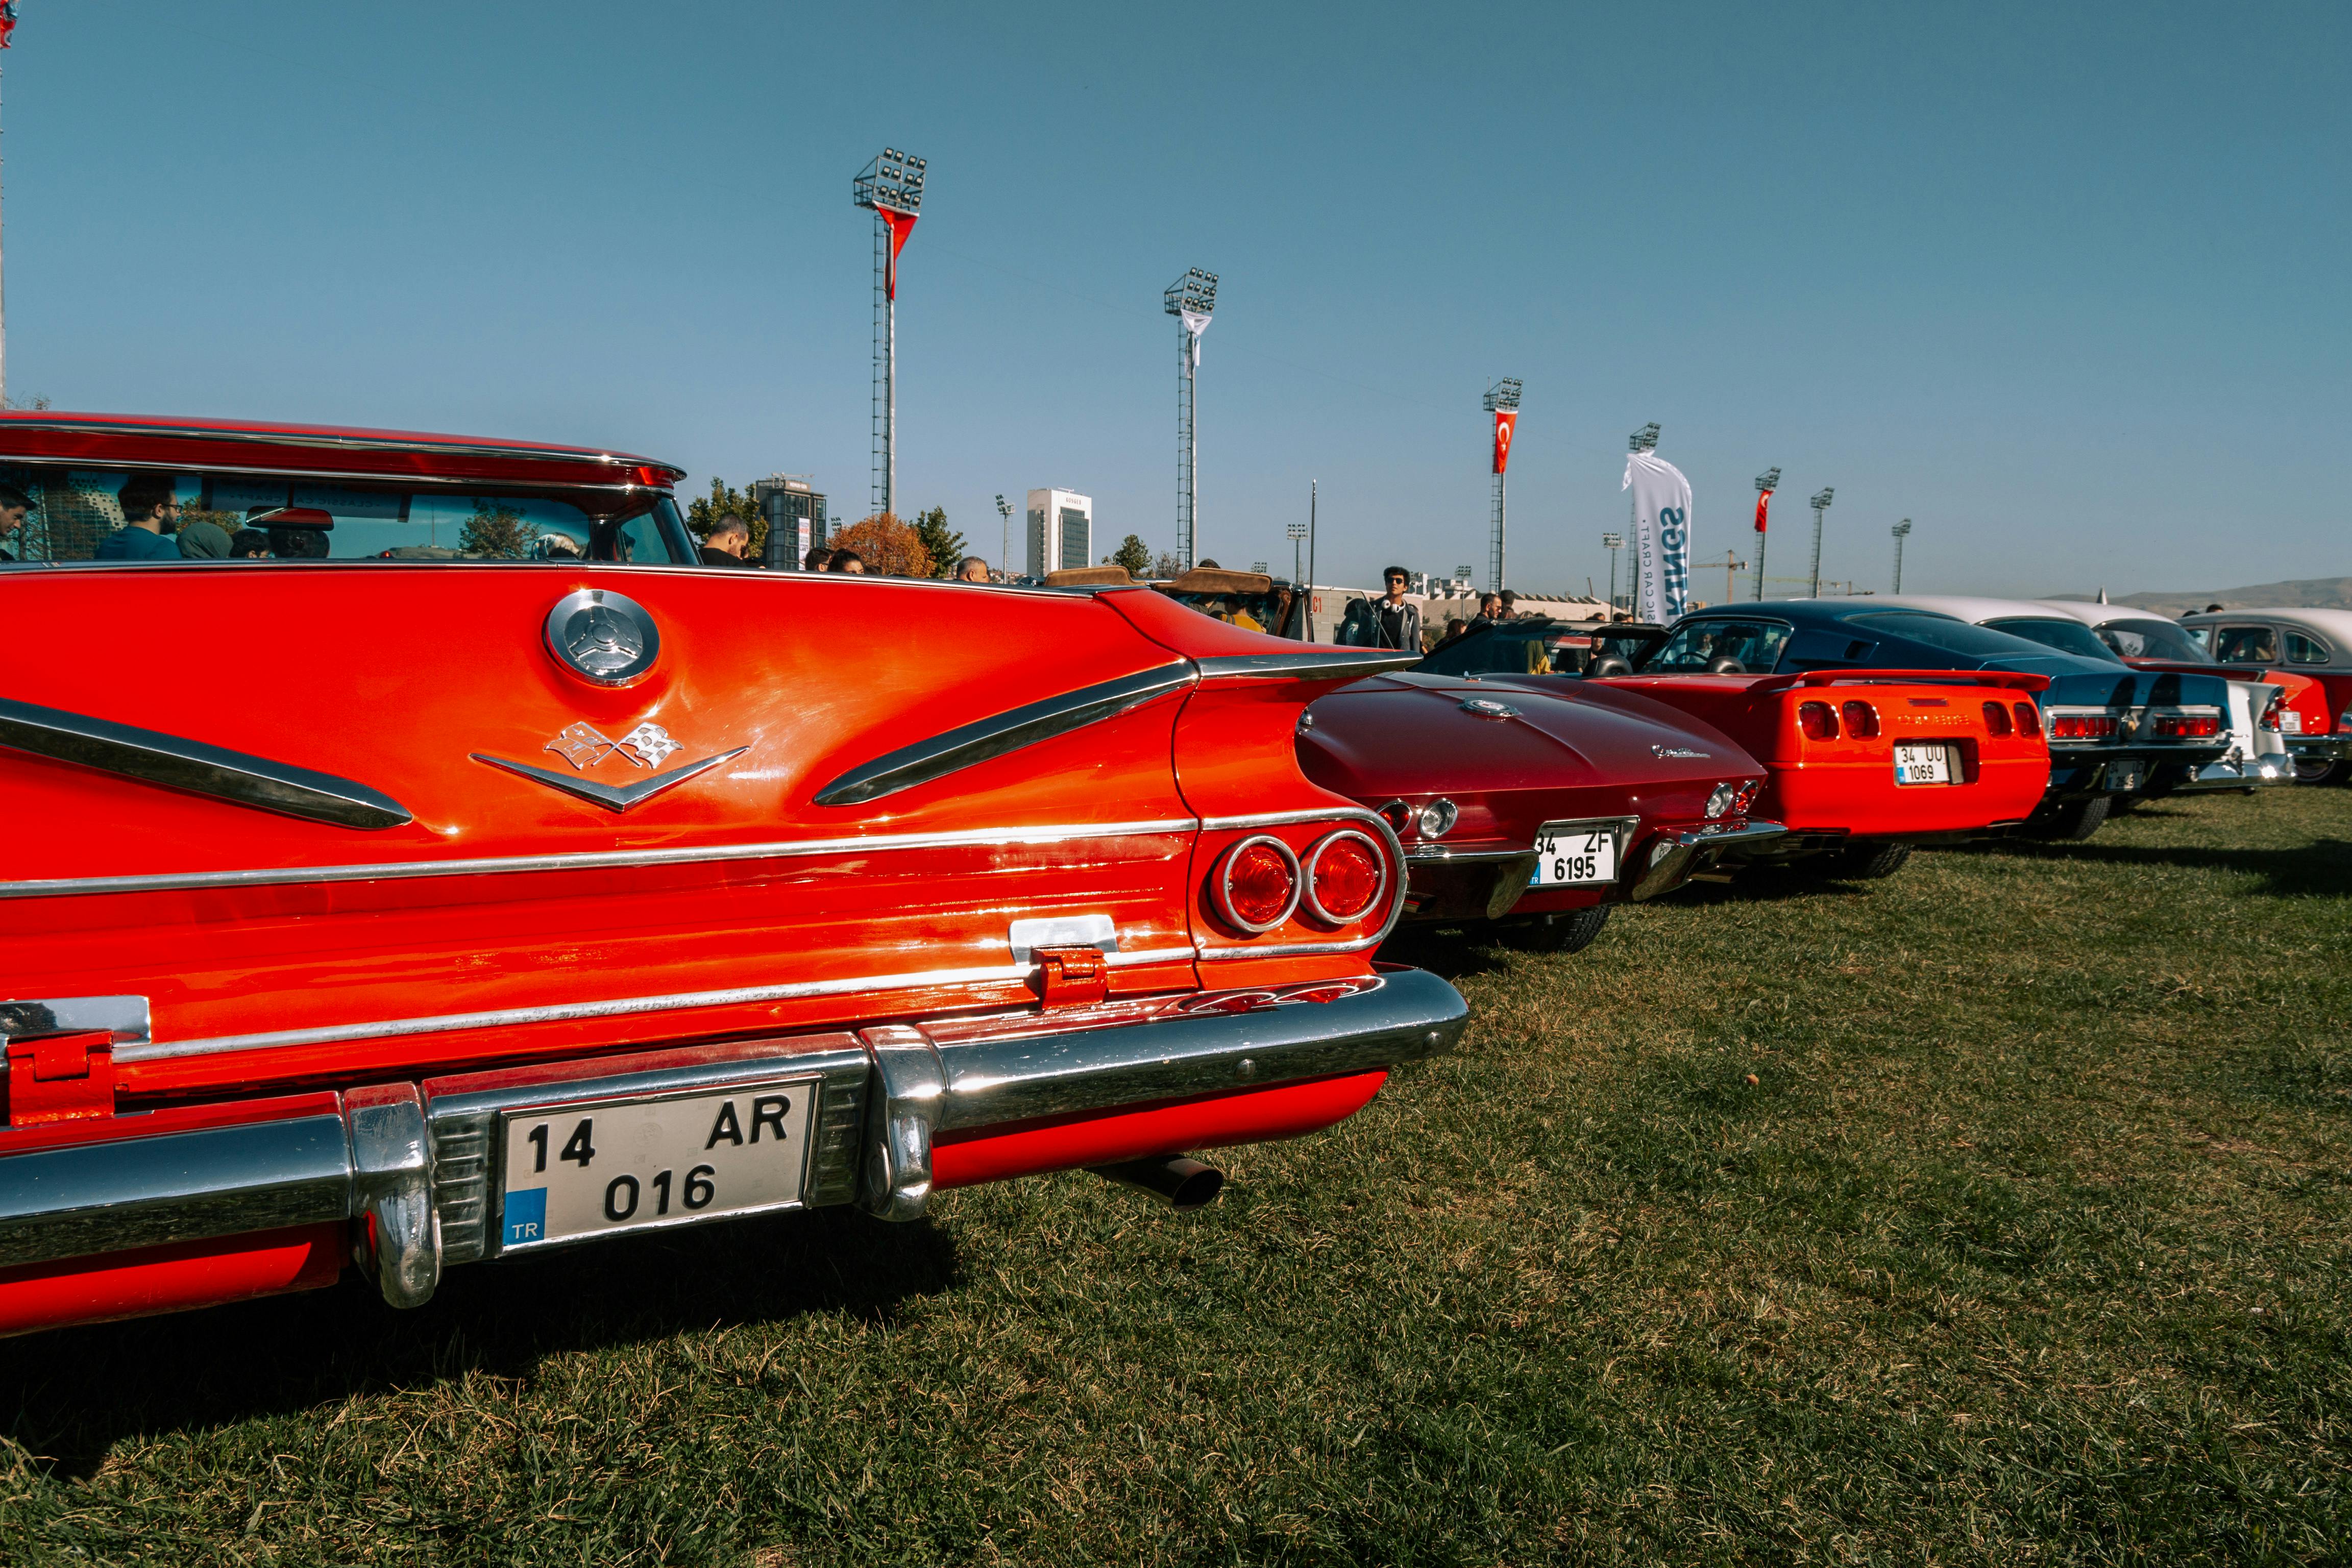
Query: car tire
1570	930
1865	862
2320	771
2075	820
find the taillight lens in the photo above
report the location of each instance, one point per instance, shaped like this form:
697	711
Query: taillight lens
1345	877
1995	719
2029	717
2081	726
2269	720
2186	727
1818	720
1861	720
1257	886
1745	796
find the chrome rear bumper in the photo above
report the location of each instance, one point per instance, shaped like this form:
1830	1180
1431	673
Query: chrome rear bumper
2318	748
415	1165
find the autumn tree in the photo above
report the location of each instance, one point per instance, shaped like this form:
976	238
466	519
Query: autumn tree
1166	565
494	531
943	546
889	547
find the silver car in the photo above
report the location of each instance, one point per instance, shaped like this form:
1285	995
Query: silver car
2313	642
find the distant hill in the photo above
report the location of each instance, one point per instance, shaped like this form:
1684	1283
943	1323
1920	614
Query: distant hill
2306	594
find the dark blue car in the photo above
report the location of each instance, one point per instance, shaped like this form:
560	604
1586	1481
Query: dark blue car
2111	728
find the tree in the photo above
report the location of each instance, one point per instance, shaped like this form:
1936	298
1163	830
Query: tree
497	531
944	548
1133	554
889	547
1167	565
703	512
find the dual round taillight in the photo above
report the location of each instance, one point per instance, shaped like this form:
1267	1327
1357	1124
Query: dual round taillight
2029	717
1861	720
1819	720
1995	719
1260	883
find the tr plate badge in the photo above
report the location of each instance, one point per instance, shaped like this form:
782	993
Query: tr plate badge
585	747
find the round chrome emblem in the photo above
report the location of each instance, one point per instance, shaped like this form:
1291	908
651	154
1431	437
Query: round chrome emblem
607	637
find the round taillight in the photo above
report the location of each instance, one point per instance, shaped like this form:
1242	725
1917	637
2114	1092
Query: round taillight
1345	877
1818	720
1719	799
1860	720
1257	884
1995	719
2029	717
1746	797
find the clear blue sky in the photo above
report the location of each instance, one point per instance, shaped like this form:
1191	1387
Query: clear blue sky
2064	285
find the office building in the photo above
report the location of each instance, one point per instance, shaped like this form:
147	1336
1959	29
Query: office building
796	521
1060	531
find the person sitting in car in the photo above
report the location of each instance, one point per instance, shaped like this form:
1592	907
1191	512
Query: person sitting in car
248	544
150	511
847	561
13	504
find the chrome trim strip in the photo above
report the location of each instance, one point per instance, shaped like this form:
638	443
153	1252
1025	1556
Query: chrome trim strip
1306	664
137	1192
323	441
1397	1018
372	476
613	798
177	762
616	1007
1283	818
124	1018
393	870
1441	854
995	736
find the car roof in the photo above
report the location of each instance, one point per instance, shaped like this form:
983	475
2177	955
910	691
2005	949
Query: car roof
2091	614
155	441
2335	623
1968	607
1835	609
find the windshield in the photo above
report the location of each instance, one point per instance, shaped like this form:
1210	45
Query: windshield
1753	647
2067	637
1534	648
1952	635
1274	611
114	514
2153	640
2245	645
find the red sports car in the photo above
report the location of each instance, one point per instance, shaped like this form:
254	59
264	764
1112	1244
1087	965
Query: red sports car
1534	810
1860	764
471	872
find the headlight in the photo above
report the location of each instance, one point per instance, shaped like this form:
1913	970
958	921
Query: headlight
1437	818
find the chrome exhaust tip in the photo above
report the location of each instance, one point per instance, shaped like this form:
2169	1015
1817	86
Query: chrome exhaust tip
1182	1184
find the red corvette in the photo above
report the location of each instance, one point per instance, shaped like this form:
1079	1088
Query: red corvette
1535	810
476	873
1861	765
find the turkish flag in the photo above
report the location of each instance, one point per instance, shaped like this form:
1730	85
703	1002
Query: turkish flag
1507	422
901	225
1763	500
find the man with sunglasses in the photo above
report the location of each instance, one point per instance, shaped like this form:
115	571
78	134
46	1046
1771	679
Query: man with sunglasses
1396	623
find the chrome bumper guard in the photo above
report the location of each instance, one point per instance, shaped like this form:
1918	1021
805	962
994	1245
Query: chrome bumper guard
415	1167
1673	857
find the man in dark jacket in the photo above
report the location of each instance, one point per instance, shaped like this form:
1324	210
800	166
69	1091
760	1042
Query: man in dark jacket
1396	623
730	536
151	512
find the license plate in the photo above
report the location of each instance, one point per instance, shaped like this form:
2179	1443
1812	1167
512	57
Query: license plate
2124	776
1923	764
1574	855
2291	722
594	1169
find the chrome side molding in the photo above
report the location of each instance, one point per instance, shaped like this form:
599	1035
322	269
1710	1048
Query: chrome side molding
178	762
1002	732
1306	663
124	1018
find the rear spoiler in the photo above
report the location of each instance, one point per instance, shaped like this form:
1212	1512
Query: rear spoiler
2013	679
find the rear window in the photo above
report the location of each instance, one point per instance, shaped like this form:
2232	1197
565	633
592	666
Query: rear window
1753	645
1951	635
2304	648
2245	645
2153	640
2067	637
115	514
1538	647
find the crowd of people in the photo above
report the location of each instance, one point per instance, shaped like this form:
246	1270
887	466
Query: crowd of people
729	543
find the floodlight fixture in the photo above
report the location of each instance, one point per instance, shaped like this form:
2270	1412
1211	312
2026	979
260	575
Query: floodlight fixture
1195	291
1902	530
1191	300
1612	543
893	182
1769	479
1503	395
1820	503
1645	439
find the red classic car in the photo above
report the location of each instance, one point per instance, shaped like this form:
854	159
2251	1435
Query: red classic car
1859	765
1534	811
476	873
2316	644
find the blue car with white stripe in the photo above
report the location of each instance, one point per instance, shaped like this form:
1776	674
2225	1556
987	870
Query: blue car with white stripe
2111	728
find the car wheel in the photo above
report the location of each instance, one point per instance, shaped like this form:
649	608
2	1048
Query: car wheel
1571	931
1865	862
2075	821
2319	771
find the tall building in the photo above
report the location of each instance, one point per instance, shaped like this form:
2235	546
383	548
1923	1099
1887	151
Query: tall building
796	521
1060	531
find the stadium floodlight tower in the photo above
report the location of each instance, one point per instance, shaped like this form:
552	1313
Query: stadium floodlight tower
1902	530
1820	504
1298	532
1191	300
1766	483
1612	543
891	187
1004	512
1502	401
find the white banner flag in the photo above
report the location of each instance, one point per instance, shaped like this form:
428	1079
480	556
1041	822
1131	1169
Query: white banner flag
1195	323
1662	500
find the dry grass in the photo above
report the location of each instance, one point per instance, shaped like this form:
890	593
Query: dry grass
1992	1214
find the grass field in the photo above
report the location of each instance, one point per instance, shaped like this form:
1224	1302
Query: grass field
1995	1212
